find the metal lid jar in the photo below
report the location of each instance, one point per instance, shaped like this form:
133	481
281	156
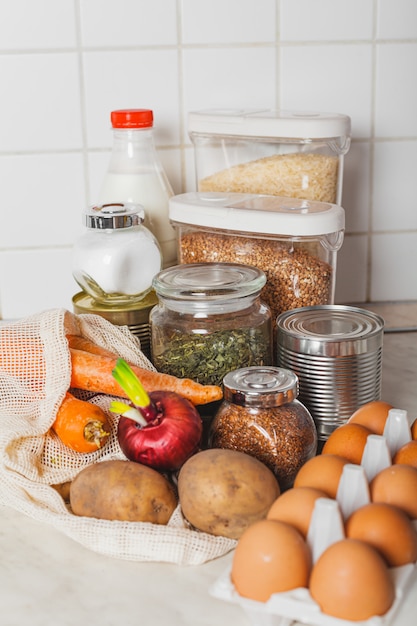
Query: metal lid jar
116	258
209	320
261	416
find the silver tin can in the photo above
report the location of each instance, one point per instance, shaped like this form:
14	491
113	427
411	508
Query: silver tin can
336	352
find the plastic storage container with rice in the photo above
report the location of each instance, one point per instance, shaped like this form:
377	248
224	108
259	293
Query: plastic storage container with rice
281	153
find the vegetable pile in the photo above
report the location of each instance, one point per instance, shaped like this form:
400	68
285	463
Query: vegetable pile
84	427
159	431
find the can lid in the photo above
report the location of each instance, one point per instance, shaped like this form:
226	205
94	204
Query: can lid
126	314
260	386
132	118
261	214
329	330
270	123
114	215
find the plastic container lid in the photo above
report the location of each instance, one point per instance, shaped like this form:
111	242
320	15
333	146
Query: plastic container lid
252	213
269	123
132	118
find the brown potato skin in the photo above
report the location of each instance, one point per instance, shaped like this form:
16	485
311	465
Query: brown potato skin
122	490
63	489
222	491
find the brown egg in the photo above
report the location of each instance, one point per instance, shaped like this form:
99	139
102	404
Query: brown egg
321	472
270	557
397	485
388	529
295	507
348	441
350	580
407	454
373	415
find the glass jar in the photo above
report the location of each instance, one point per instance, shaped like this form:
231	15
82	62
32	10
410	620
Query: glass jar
209	320
261	416
116	258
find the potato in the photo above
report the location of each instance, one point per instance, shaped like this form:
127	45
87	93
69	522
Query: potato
122	490
222	492
63	489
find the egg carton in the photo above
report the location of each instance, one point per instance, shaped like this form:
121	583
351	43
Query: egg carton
326	527
297	606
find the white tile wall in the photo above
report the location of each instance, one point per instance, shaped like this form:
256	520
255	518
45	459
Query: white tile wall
326	20
116	78
127	23
38	25
396	89
65	65
231	22
329	77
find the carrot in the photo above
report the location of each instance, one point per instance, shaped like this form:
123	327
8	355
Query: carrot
80	425
82	343
93	372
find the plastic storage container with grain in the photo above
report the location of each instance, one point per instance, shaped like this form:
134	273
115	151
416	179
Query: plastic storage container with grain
295	242
282	153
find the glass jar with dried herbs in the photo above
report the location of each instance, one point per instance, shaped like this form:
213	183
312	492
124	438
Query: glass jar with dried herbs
261	416
209	321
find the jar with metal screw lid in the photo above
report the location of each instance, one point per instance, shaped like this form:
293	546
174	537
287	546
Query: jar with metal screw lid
116	258
209	320
261	416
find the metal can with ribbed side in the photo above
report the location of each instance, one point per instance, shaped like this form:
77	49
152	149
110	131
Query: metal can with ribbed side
336	352
134	315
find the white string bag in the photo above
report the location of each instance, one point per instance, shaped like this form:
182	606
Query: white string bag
35	373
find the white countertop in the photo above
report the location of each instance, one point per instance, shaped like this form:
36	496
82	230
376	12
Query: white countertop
47	579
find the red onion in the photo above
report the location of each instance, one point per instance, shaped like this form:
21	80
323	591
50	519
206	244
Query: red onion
162	430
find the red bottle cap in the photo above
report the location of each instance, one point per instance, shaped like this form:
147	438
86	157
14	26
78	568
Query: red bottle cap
132	118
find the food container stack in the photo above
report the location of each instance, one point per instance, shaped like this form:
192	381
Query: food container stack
269	190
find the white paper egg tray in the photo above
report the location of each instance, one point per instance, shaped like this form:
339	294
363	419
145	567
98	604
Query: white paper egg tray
326	527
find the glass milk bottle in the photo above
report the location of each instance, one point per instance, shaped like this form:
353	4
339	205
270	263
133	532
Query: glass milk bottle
135	175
